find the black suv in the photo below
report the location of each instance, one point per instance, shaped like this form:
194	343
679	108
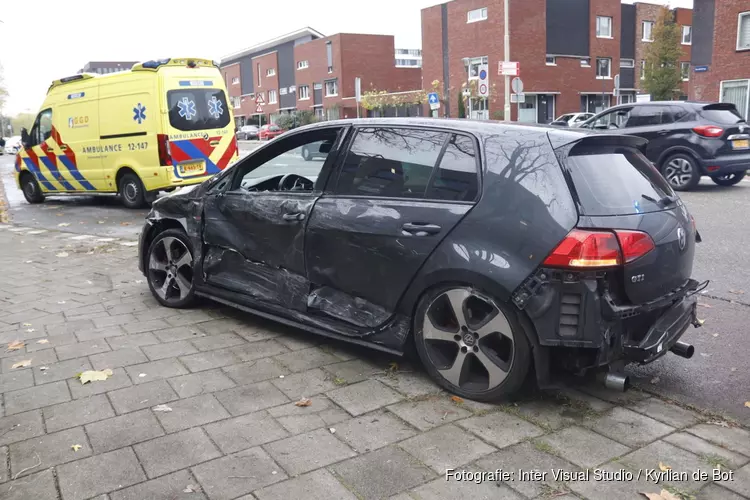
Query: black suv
489	247
686	140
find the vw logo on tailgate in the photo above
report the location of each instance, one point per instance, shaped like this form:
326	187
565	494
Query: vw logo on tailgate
681	238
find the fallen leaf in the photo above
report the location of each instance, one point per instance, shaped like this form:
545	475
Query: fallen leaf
15	345
29	261
719	423
63	224
94	375
333	431
42	341
27	324
457	400
714	334
655	380
747	404
76	447
663	467
705	305
124	223
44	368
163	408
61	302
700	321
190	488
30	330
141	375
138	282
737	292
281	376
393	366
21	364
62	254
303	402
733	369
662	495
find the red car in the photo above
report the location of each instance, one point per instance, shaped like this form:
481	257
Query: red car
267	132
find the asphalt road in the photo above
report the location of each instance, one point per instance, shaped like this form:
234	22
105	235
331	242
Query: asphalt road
717	377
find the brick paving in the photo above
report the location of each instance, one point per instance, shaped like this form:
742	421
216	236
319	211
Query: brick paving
229	382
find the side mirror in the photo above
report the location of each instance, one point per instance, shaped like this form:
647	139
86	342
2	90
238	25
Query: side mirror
325	147
25	138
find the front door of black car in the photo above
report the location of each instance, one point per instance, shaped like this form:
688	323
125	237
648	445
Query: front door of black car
255	229
397	194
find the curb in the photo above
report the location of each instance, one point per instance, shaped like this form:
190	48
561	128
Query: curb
33	231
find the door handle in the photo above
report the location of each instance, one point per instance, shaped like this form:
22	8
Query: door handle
416	229
663	132
63	147
294	217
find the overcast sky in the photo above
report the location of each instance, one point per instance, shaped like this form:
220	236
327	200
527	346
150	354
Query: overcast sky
44	40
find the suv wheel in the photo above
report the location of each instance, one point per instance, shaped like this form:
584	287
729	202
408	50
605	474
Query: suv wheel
681	171
306	155
170	269
470	344
132	191
728	179
31	190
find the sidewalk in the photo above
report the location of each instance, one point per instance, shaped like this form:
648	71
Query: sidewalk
201	405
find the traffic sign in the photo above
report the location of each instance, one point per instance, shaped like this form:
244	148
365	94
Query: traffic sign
434	100
258	108
508	68
517	85
358	89
517	98
259	99
483	86
617	85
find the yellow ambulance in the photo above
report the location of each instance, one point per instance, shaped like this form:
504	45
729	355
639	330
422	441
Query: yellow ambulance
163	124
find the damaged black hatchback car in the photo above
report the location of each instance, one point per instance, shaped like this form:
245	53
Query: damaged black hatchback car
491	248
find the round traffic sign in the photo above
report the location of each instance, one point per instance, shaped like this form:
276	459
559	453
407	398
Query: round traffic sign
517	85
483	75
483	89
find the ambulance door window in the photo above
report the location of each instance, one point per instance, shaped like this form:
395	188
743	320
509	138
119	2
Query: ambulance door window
42	128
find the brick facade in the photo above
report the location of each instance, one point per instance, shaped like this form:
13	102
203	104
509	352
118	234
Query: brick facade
728	63
684	17
265	84
231	75
643	12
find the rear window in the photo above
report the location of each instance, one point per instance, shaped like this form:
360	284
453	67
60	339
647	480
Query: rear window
197	109
724	116
616	181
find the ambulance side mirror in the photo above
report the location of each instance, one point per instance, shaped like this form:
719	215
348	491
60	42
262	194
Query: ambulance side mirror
25	138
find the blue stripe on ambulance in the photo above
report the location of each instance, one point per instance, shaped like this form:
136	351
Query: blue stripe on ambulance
56	173
76	174
38	174
196	154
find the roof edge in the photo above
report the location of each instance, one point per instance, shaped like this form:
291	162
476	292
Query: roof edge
270	43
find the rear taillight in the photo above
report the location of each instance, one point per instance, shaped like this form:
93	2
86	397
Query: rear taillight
692	221
709	130
165	154
594	249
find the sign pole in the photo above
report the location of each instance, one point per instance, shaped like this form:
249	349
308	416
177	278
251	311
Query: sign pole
506	114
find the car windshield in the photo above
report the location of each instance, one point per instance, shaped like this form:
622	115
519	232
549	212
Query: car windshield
595	171
273	128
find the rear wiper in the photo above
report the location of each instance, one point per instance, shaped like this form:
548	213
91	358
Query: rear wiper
662	202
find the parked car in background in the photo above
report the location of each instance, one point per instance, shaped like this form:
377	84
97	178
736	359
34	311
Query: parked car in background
572	119
267	132
420	233
247	132
687	140
12	145
313	150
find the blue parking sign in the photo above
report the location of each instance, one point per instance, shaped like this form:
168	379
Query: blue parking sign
434	100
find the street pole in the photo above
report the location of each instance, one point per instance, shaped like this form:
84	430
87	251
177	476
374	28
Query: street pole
506	114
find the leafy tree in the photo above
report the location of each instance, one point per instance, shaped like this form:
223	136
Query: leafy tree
662	73
3	90
461	106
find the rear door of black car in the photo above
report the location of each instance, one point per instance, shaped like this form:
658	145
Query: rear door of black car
395	197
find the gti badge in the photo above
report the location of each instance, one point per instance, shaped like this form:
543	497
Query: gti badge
681	238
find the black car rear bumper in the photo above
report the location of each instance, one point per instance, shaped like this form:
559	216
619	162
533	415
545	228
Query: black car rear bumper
726	164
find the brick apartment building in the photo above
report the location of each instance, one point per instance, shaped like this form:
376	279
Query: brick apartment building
721	52
569	52
306	70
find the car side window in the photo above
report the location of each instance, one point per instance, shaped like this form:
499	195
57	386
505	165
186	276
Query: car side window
646	116
42	129
390	162
457	178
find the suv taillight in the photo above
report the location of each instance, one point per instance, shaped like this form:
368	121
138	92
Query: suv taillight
709	130
165	154
595	249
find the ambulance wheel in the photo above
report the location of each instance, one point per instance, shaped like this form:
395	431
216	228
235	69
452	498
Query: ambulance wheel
132	192
31	190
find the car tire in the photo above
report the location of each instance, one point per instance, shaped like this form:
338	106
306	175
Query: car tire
729	179
306	154
494	353
31	190
132	191
681	172
169	269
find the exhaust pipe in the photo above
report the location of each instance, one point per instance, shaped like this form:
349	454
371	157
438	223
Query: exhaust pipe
683	350
617	381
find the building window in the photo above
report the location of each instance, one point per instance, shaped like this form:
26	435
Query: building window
603	27
687	35
235	80
408	63
474	64
332	88
648	28
737	92
643	69
271	72
304	92
586	62
743	31
603	67
283	91
272	99
329	56
237	102
260	81
317	86
685	71
551	61
476	15
303	64
627	63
